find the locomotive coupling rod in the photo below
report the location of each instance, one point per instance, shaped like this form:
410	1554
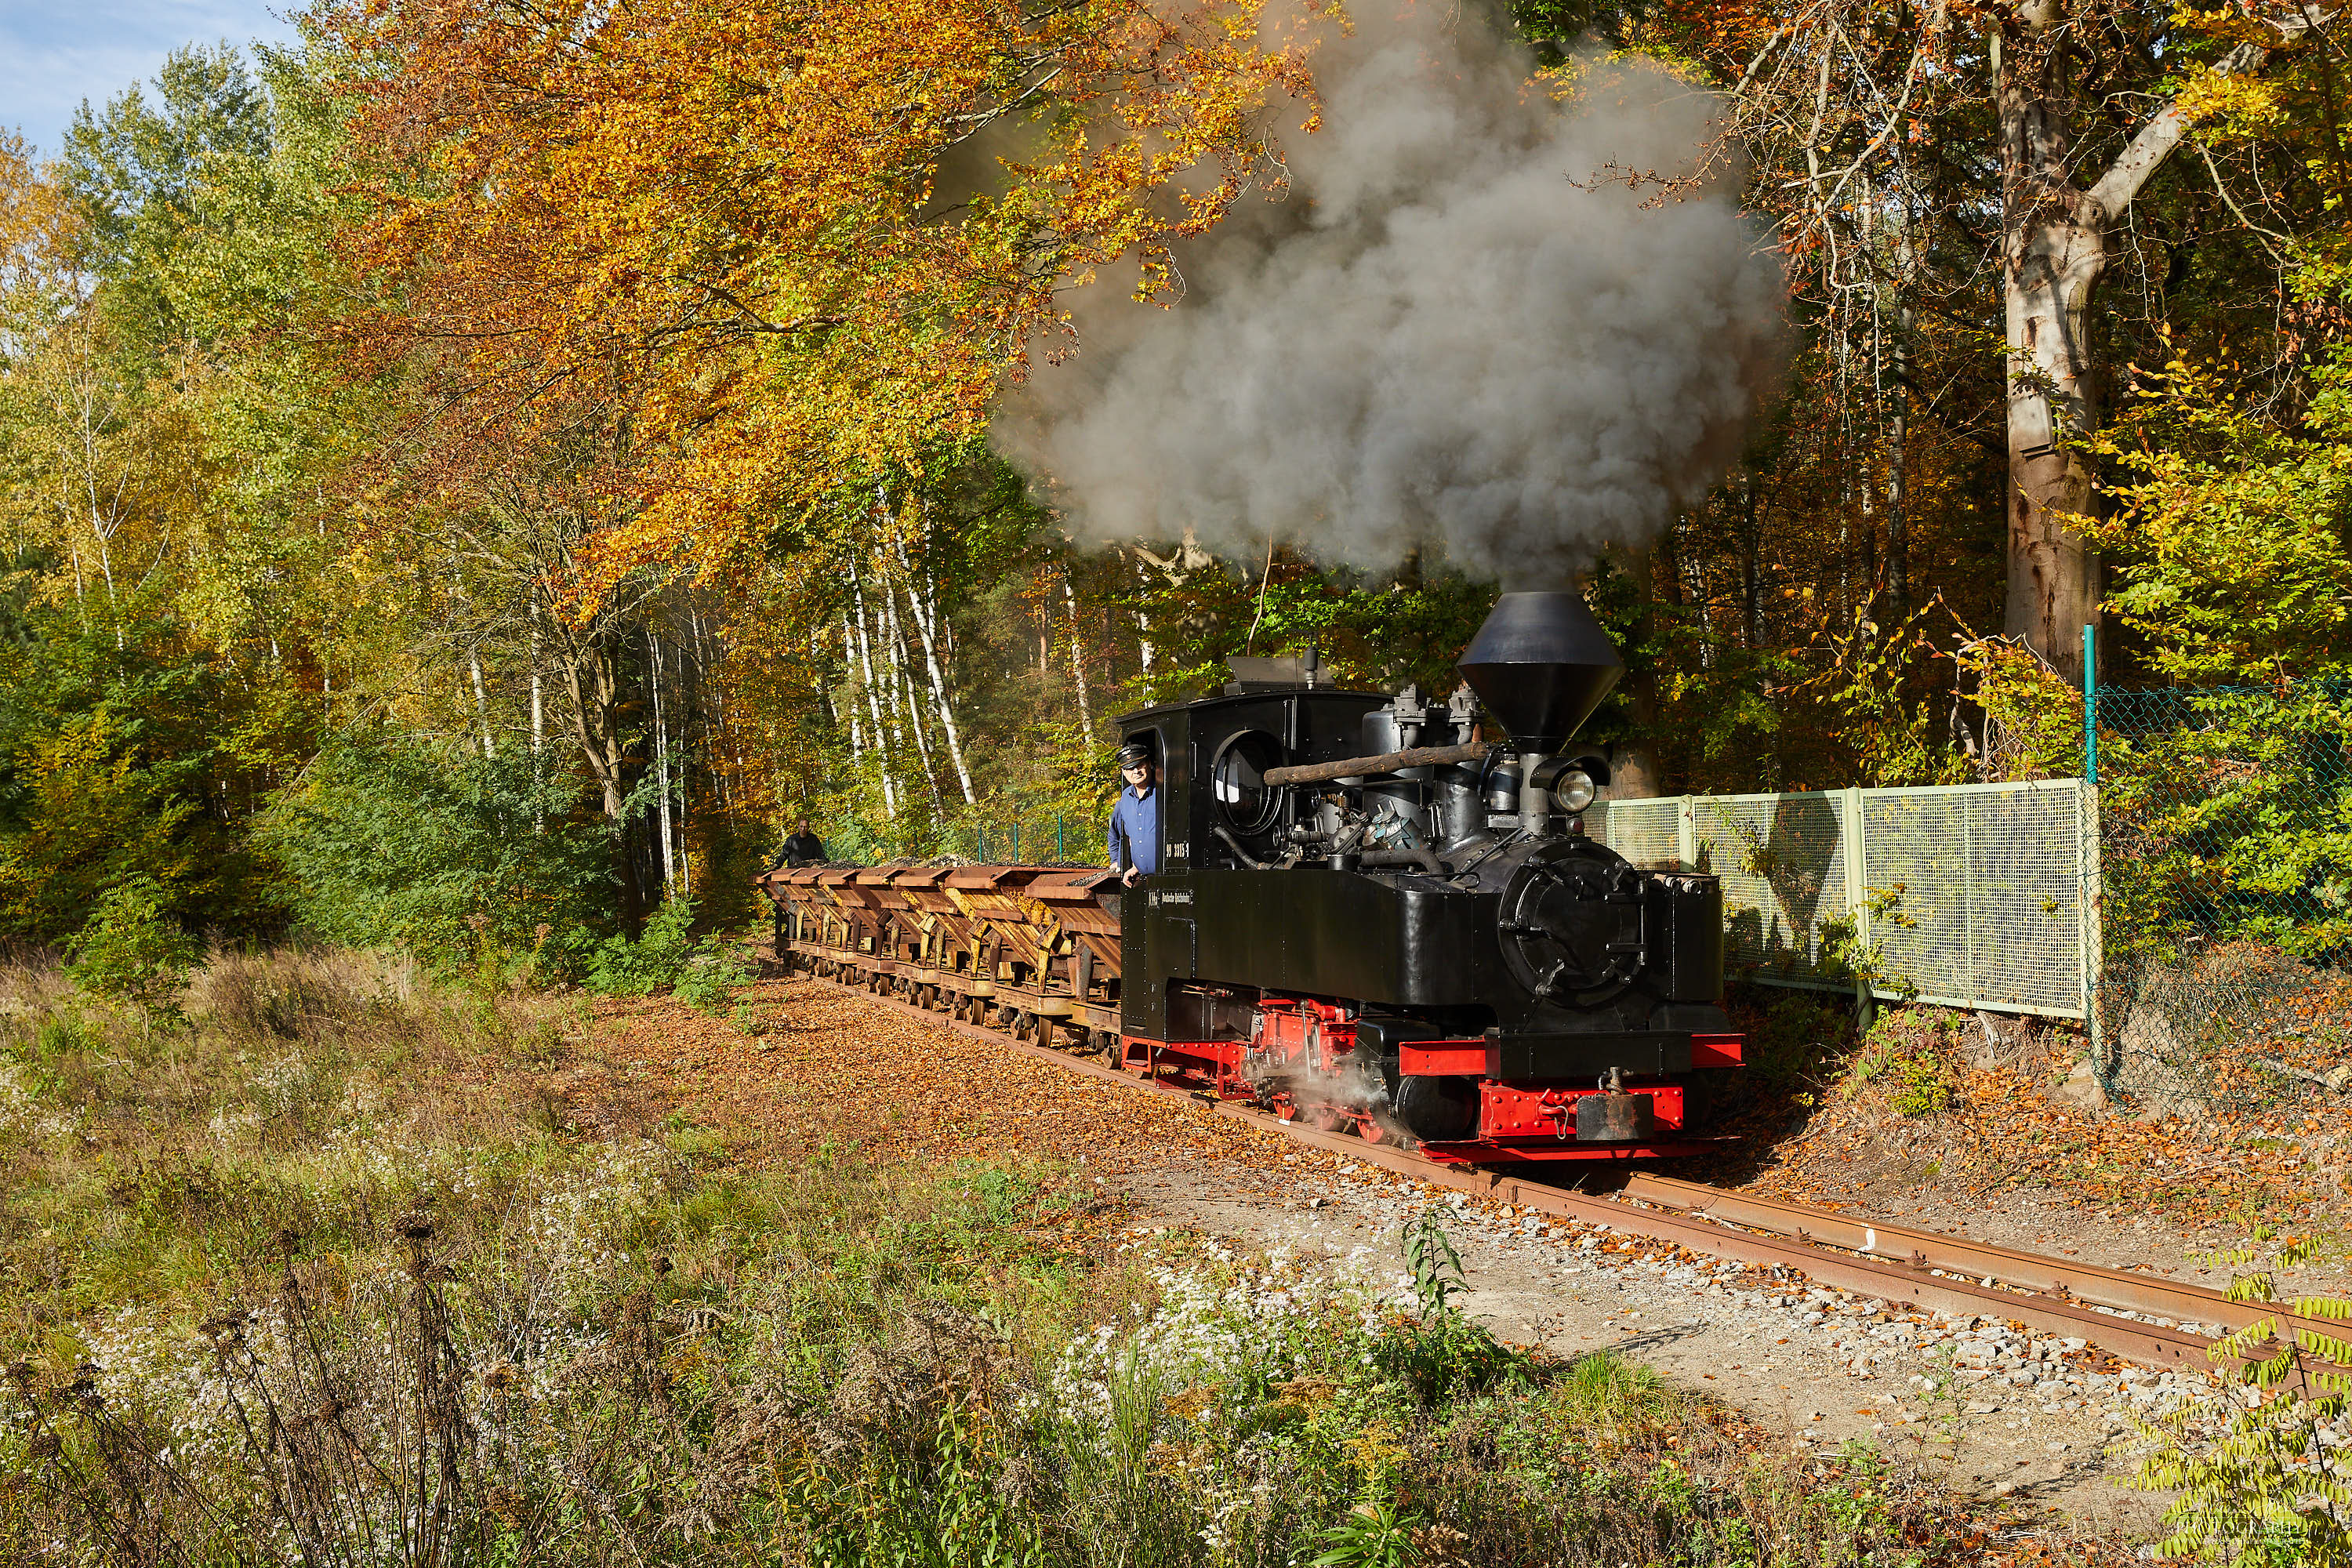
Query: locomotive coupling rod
1387	763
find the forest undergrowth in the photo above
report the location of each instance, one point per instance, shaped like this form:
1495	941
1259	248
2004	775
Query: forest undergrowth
1940	1099
304	1271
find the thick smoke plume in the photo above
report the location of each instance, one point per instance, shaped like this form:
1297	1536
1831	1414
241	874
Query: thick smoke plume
1460	329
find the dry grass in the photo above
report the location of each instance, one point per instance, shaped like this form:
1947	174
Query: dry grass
319	1276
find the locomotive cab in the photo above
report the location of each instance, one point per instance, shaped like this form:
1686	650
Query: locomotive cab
1366	913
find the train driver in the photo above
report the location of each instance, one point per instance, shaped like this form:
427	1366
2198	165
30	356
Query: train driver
1135	820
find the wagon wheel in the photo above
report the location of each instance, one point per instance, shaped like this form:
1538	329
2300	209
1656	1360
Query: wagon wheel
1044	1032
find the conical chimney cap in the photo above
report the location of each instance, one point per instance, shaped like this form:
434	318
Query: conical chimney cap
1541	663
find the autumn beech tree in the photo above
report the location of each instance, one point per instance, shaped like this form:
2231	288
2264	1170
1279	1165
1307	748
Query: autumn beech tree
776	250
2059	212
1964	168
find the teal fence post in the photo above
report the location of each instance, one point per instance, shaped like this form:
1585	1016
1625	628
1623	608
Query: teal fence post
1061	853
1016	845
2091	704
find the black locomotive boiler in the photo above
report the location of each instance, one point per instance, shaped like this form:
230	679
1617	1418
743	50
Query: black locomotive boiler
1364	916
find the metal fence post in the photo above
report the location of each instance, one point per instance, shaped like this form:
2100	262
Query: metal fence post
2086	860
2091	704
1857	895
2091	895
1016	845
1061	853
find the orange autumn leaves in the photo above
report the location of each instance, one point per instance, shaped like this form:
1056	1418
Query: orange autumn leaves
748	256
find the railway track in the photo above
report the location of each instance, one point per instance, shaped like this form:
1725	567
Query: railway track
2139	1317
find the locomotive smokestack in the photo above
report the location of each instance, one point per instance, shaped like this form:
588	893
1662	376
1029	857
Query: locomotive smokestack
1541	663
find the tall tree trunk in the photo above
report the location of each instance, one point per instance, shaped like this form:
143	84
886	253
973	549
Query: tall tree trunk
1751	566
1077	666
882	736
482	701
1898	418
661	770
920	610
1634	769
903	691
592	682
2054	248
857	723
537	686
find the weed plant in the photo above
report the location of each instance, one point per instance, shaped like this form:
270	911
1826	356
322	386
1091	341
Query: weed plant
316	1275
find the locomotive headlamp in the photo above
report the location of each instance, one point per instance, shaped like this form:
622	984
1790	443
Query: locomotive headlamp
1573	791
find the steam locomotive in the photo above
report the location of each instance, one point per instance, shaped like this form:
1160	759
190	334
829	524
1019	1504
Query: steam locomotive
1364	916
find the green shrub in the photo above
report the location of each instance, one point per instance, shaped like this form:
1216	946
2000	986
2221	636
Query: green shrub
133	949
471	863
2269	1494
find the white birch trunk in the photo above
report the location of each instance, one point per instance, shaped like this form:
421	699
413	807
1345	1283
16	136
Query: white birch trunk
921	613
661	776
872	703
1077	665
856	725
481	700
1143	649
903	688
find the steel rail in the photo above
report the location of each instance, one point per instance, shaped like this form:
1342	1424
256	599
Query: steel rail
1808	1253
2119	1288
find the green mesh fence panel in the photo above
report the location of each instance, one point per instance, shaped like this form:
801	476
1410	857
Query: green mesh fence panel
1978	893
1782	863
1971	896
1646	832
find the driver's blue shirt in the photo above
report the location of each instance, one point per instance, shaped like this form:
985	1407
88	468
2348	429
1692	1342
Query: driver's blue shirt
1135	831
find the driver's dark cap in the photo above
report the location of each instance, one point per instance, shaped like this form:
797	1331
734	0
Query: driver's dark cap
1134	751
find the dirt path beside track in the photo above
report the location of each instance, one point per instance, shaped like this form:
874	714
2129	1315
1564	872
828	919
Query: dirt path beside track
2035	1421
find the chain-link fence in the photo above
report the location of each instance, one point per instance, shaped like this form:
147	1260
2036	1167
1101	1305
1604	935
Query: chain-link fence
2226	837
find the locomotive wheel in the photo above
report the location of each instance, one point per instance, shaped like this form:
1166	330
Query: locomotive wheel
1377	1129
1322	1118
